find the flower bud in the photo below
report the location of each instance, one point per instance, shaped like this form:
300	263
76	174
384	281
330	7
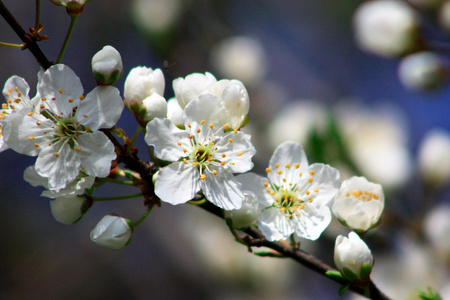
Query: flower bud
141	83
74	7
359	204
352	257
235	98
154	106
68	210
434	158
422	71
112	232
387	28
107	66
190	87
245	216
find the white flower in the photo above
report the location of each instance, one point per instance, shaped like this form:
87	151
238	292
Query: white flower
242	58
107	65
65	136
352	257
16	91
155	107
437	229
297	196
68	210
73	188
252	206
235	98
422	71
157	16
112	232
434	157
386	27
141	83
359	204
204	156
189	88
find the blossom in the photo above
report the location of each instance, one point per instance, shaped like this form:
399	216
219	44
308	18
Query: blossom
107	65
65	136
352	257
154	106
68	210
189	88
112	232
204	156
16	91
359	204
73	188
296	195
174	112
387	28
142	82
434	157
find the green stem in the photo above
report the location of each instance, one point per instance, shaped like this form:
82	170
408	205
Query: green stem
143	217
117	181
10	45
133	140
38	17
97	199
73	21
197	202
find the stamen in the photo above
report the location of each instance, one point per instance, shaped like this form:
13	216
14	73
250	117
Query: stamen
288	166
239	153
230	140
81	97
179	143
224	155
222	163
280	172
310	180
202	122
297	165
211	125
36	145
78	148
70	100
277	165
31	138
268	170
29	114
312	172
203	177
215	172
226	126
198	130
316	190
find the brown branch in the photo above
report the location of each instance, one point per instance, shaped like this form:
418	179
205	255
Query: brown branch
28	39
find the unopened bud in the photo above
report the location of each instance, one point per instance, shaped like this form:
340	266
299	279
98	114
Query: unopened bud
107	66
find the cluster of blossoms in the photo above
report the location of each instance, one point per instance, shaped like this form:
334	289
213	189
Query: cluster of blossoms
196	136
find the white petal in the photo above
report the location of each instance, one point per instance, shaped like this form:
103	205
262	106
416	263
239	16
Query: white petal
327	181
310	224
274	225
177	183
206	107
32	177
287	153
97	152
60	78
59	169
101	108
253	185
223	190
164	136
240	151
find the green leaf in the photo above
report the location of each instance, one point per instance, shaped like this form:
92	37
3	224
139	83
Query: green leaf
430	295
334	274
343	289
349	274
366	268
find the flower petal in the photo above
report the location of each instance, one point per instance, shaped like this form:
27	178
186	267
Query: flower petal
311	223
239	151
177	183
223	190
273	225
287	153
97	153
206	107
253	185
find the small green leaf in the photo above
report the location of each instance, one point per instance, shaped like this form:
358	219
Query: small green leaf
334	274
430	295
349	274
366	268
343	289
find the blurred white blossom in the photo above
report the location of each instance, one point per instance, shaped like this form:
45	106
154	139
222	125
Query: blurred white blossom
437	230
242	58
156	16
386	27
434	157
422	71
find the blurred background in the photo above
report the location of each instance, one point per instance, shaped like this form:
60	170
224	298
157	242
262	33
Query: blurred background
308	81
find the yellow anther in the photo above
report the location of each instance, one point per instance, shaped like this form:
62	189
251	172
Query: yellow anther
179	143
185	150
277	165
310	180
308	192
203	177
50	143
224	155
280	172
215	172
43	98
375	196
282	209
230	140
36	145
268	170
272	193
17	100
194	163
239	154
191	136
81	97
29	114
31	138
288	215
85	116
297	165
310	200
301	174
4	106
311	172
10	90
60	90
88	128
222	163
268	190
202	122
199	130
226	126
302	206
56	154
266	184
288	166
298	214
78	148
231	163
316	190
357	193
276	199
235	131
70	100
211	125
185	160
189	125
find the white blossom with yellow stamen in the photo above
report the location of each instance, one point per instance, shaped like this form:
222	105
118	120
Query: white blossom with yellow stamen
65	136
16	91
204	156
359	204
298	195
